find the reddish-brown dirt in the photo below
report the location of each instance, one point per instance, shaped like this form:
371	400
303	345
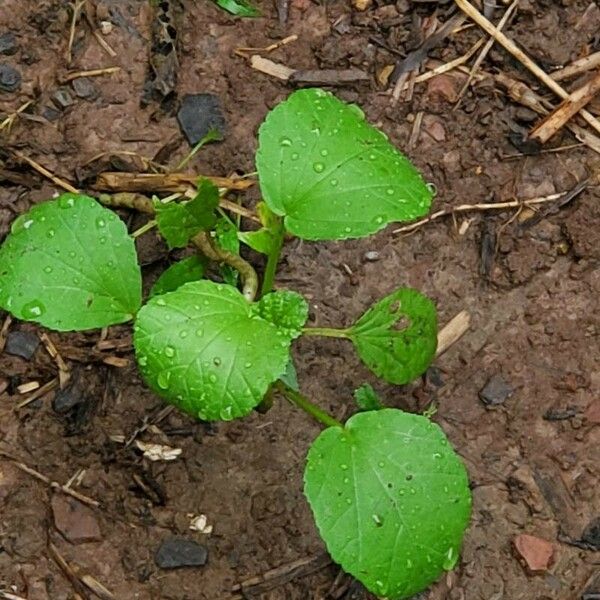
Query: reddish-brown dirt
535	318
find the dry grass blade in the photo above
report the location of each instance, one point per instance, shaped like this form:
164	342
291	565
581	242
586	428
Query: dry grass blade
90	73
453	331
43	171
577	67
511	47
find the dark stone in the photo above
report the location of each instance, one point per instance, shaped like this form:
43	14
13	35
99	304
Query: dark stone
66	400
496	391
8	43
84	88
592	592
62	98
434	378
198	114
21	343
591	534
50	113
10	78
180	552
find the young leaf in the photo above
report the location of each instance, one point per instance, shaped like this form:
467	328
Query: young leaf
239	8
290	377
261	240
366	398
69	264
397	351
391	500
178	222
288	311
188	269
207	350
331	174
226	236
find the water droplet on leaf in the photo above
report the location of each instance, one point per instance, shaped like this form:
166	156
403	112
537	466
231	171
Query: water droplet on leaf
33	310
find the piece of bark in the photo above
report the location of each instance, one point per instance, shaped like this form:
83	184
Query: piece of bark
537	554
328	76
272	68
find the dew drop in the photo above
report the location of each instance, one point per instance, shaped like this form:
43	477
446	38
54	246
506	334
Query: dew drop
161	302
285	141
324	152
163	379
390	191
216	361
48	269
409	563
66	202
334	182
183	334
348	229
169	351
432	188
319	167
344	467
226	413
247	365
33	310
381	464
212	378
142	361
100	222
450	559
295	156
377	520
51	233
199	332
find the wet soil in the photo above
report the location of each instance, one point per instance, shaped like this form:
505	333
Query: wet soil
535	313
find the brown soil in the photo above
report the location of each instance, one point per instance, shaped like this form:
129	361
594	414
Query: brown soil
535	319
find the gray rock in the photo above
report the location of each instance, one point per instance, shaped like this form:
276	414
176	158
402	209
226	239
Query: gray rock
66	400
179	552
84	88
496	391
62	98
8	43
372	256
198	114
591	534
21	343
10	78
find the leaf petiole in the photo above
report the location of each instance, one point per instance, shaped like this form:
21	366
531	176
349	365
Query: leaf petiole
327	332
306	405
278	232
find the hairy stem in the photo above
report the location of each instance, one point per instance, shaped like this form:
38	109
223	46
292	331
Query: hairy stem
326	332
204	242
273	259
307	406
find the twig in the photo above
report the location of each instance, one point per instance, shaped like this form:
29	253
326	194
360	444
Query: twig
478	207
9	596
8	122
566	110
453	331
53	484
484	51
78	577
577	67
511	47
43	171
91	73
64	373
4	332
99	38
47	387
250	50
272	68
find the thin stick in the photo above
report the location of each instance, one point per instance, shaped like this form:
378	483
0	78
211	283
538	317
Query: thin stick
47	387
90	73
286	40
511	47
77	6
566	110
4	332
42	170
11	118
478	207
453	331
484	52
577	67
53	484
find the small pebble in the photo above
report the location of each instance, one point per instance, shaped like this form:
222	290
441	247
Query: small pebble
496	391
179	552
84	88
50	113
199	113
591	534
21	343
8	43
372	256
62	98
10	78
66	400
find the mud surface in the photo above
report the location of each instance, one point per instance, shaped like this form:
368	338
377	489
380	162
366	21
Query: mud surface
533	460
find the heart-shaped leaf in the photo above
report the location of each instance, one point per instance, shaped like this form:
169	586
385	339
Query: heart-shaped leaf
69	264
391	500
207	350
184	271
331	174
397	337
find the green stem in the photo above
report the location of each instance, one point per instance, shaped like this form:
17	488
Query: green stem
327	332
307	406
273	258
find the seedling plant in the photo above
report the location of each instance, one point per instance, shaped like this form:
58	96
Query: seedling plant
389	495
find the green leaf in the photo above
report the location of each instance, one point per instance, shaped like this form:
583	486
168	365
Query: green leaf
262	240
207	350
391	500
239	8
331	174
188	269
397	337
287	310
226	236
69	264
290	377
366	398
179	222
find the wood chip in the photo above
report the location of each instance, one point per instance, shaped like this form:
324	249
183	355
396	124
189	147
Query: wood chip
270	67
537	554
